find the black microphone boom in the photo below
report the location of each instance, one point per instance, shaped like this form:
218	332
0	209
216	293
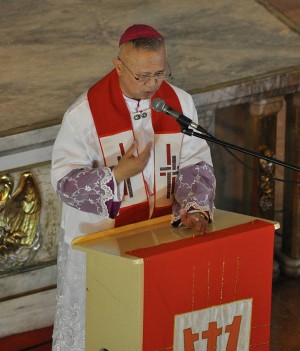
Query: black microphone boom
160	106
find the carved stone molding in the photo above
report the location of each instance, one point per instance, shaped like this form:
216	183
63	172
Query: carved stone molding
266	107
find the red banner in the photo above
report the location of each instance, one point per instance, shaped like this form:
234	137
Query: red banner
208	274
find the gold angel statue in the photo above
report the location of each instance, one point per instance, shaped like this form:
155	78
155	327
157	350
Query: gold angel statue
19	212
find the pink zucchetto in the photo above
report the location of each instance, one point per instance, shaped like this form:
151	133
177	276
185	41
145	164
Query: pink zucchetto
139	31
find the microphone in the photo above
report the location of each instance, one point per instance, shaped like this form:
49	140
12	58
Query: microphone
160	106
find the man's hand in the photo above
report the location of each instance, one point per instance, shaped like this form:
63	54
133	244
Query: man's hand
131	165
196	221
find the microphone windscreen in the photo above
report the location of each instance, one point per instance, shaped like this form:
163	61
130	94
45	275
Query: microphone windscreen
158	104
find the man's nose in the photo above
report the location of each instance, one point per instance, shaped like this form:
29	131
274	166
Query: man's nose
152	81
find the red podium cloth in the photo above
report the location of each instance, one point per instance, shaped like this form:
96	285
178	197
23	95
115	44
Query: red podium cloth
210	270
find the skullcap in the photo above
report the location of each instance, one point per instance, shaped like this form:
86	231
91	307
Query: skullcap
139	31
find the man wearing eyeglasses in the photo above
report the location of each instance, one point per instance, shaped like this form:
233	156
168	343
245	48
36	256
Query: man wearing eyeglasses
116	162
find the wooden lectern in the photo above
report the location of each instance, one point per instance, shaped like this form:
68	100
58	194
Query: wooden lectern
153	287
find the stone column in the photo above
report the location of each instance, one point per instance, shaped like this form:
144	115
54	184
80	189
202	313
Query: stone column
290	255
260	126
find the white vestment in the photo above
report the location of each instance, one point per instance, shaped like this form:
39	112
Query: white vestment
77	146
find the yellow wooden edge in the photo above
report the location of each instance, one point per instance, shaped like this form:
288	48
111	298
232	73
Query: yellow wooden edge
143	224
118	230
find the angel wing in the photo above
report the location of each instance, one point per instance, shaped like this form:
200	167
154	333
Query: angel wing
22	211
6	187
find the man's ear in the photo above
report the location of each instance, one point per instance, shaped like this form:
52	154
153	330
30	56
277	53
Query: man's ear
118	65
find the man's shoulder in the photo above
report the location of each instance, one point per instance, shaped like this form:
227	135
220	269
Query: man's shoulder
180	92
79	102
186	101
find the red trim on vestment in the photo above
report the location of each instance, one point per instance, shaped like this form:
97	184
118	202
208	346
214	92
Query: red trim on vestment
111	117
161	211
132	214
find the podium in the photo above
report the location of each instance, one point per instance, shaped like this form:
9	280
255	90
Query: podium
153	287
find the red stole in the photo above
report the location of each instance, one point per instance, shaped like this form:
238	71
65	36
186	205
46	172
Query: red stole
112	120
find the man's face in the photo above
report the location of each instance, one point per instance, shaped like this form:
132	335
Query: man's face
140	63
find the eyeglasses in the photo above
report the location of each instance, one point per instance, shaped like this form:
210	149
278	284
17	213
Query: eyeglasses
143	78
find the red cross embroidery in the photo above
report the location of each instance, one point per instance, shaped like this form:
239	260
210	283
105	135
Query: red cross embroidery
127	182
170	171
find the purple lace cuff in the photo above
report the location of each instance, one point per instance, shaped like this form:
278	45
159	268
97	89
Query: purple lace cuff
90	190
194	190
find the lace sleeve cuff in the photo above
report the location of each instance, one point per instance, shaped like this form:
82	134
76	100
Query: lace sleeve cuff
90	190
194	190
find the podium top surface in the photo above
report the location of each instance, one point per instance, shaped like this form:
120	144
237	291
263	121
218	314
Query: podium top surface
157	231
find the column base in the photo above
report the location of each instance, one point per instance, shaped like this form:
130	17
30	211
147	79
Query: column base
289	267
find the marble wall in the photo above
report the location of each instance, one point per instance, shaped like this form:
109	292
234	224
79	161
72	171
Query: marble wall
27	290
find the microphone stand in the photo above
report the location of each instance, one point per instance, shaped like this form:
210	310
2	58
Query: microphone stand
207	137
